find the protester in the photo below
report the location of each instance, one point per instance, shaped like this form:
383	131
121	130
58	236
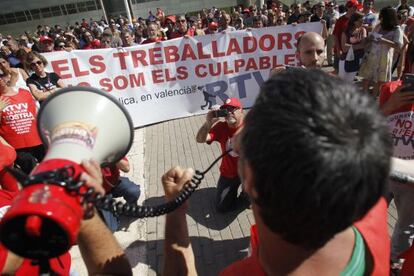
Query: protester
182	28
100	251
222	132
16	76
301	150
41	83
294	17
320	16
7	158
128	38
46	44
152	33
352	41
397	101
212	28
370	18
10	50
258	22
225	24
18	128
309	52
340	26
116	186
90	41
271	19
405	5
377	63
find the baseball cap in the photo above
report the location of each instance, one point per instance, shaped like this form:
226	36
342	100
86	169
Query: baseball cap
171	18
352	4
246	11
231	102
45	38
213	25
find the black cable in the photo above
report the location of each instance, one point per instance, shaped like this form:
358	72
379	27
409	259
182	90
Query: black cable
64	177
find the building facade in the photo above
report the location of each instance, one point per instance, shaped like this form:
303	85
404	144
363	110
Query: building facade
17	16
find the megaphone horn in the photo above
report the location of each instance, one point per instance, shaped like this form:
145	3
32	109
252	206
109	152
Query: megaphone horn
75	123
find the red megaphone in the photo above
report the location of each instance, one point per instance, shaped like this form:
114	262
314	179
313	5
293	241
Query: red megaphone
76	123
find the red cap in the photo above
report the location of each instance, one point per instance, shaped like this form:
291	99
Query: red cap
246	11
352	4
213	25
45	38
231	102
171	17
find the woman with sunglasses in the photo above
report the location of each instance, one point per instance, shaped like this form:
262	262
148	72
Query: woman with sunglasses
41	83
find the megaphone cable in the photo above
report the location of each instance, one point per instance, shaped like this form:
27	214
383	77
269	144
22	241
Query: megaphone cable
63	177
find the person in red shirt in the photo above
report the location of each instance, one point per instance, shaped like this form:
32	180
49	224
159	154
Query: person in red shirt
117	186
18	125
397	103
7	158
182	28
340	27
212	28
153	33
223	131
314	160
90	42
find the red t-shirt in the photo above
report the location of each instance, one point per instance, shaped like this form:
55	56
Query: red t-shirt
190	32
7	157
18	121
60	265
111	176
221	133
94	44
400	123
373	228
340	26
152	40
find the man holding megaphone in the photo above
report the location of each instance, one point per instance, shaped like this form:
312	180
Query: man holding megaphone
100	257
48	215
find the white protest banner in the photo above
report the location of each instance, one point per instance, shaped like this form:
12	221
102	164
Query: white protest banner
183	77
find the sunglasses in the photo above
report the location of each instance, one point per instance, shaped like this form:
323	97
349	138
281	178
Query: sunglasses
39	62
182	21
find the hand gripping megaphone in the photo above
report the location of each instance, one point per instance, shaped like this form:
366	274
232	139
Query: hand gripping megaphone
75	123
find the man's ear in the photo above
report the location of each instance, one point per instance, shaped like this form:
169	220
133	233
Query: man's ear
248	180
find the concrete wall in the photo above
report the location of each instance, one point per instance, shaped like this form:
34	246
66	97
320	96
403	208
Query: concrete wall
20	5
19	28
178	6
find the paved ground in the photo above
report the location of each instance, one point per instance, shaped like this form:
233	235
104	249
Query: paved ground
217	239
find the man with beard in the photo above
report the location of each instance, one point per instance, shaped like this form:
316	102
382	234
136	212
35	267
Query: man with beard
182	28
223	131
309	52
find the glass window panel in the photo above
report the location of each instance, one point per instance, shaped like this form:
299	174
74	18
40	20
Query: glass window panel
10	18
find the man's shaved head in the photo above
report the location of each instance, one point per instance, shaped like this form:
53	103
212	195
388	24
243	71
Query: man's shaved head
310	50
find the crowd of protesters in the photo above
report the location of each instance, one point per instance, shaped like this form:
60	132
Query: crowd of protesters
361	41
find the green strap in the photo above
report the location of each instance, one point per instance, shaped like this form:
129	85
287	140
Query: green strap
356	266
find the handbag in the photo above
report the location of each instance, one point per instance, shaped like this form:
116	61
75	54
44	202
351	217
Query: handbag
353	65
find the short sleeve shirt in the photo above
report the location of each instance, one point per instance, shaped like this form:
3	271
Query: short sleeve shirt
221	133
18	121
340	27
46	83
400	123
